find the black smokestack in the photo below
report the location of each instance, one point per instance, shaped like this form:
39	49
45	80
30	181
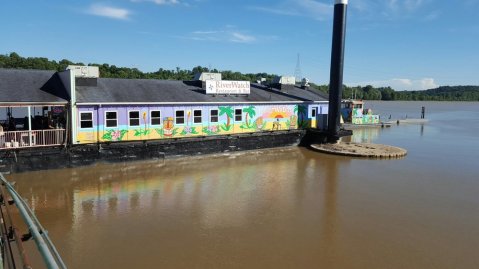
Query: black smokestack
337	63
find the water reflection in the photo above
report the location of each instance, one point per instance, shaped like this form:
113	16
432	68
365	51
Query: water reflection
249	193
363	135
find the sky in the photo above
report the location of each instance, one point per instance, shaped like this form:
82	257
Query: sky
405	44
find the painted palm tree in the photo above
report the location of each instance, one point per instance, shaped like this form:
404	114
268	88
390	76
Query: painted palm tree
301	110
228	111
250	111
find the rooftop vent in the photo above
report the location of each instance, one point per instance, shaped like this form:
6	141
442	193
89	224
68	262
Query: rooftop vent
283	83
261	81
304	83
84	71
284	80
208	76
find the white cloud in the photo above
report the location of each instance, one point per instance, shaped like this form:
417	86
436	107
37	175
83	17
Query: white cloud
402	84
109	12
398	5
361	5
241	38
320	10
160	2
228	34
394	9
414	4
307	8
277	11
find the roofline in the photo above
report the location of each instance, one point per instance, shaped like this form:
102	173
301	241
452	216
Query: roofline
196	103
25	104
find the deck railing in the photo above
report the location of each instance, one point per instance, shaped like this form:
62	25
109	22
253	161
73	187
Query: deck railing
34	138
16	257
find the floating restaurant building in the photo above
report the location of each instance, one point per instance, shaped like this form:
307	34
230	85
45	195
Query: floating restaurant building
78	107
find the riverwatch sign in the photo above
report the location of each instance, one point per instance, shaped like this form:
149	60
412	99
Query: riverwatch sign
227	87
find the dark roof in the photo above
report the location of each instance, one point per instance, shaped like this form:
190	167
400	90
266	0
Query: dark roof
110	90
22	86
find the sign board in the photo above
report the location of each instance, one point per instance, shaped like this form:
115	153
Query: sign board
227	87
57	110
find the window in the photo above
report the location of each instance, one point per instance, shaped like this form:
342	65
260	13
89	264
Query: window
196	116
111	119
134	118
238	114
313	112
155	117
214	115
180	117
86	120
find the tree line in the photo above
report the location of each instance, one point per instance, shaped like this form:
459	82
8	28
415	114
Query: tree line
444	93
13	60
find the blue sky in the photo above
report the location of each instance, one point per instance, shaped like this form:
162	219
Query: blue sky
407	44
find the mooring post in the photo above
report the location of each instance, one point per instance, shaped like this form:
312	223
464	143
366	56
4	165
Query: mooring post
336	73
423	112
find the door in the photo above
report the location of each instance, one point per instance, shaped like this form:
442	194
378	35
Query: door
314	114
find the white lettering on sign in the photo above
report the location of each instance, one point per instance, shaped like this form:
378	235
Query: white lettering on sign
227	87
281	109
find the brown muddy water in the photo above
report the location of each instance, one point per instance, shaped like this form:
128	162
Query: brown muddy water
279	208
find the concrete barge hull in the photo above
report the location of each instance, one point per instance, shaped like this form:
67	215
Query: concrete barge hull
54	158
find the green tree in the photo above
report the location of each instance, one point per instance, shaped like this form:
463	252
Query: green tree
387	93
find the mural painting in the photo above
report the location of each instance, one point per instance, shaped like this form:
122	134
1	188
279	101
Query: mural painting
250	112
195	121
114	135
228	112
302	112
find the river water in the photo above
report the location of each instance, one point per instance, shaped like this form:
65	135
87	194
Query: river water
279	208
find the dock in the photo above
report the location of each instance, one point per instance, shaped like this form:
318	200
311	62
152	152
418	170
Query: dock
369	125
408	121
364	150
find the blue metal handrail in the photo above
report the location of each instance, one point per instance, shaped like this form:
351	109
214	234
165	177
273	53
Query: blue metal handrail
49	253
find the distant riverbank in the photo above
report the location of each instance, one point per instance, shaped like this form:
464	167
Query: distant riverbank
435	110
443	93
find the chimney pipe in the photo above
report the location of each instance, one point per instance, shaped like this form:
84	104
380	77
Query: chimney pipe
337	64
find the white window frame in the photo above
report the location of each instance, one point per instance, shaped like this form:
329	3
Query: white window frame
184	117
217	115
151	117
116	119
86	112
241	114
201	116
129	118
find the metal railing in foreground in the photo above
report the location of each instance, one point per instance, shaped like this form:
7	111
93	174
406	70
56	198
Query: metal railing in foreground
47	250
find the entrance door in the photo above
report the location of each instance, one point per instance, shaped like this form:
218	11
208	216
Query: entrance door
314	113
